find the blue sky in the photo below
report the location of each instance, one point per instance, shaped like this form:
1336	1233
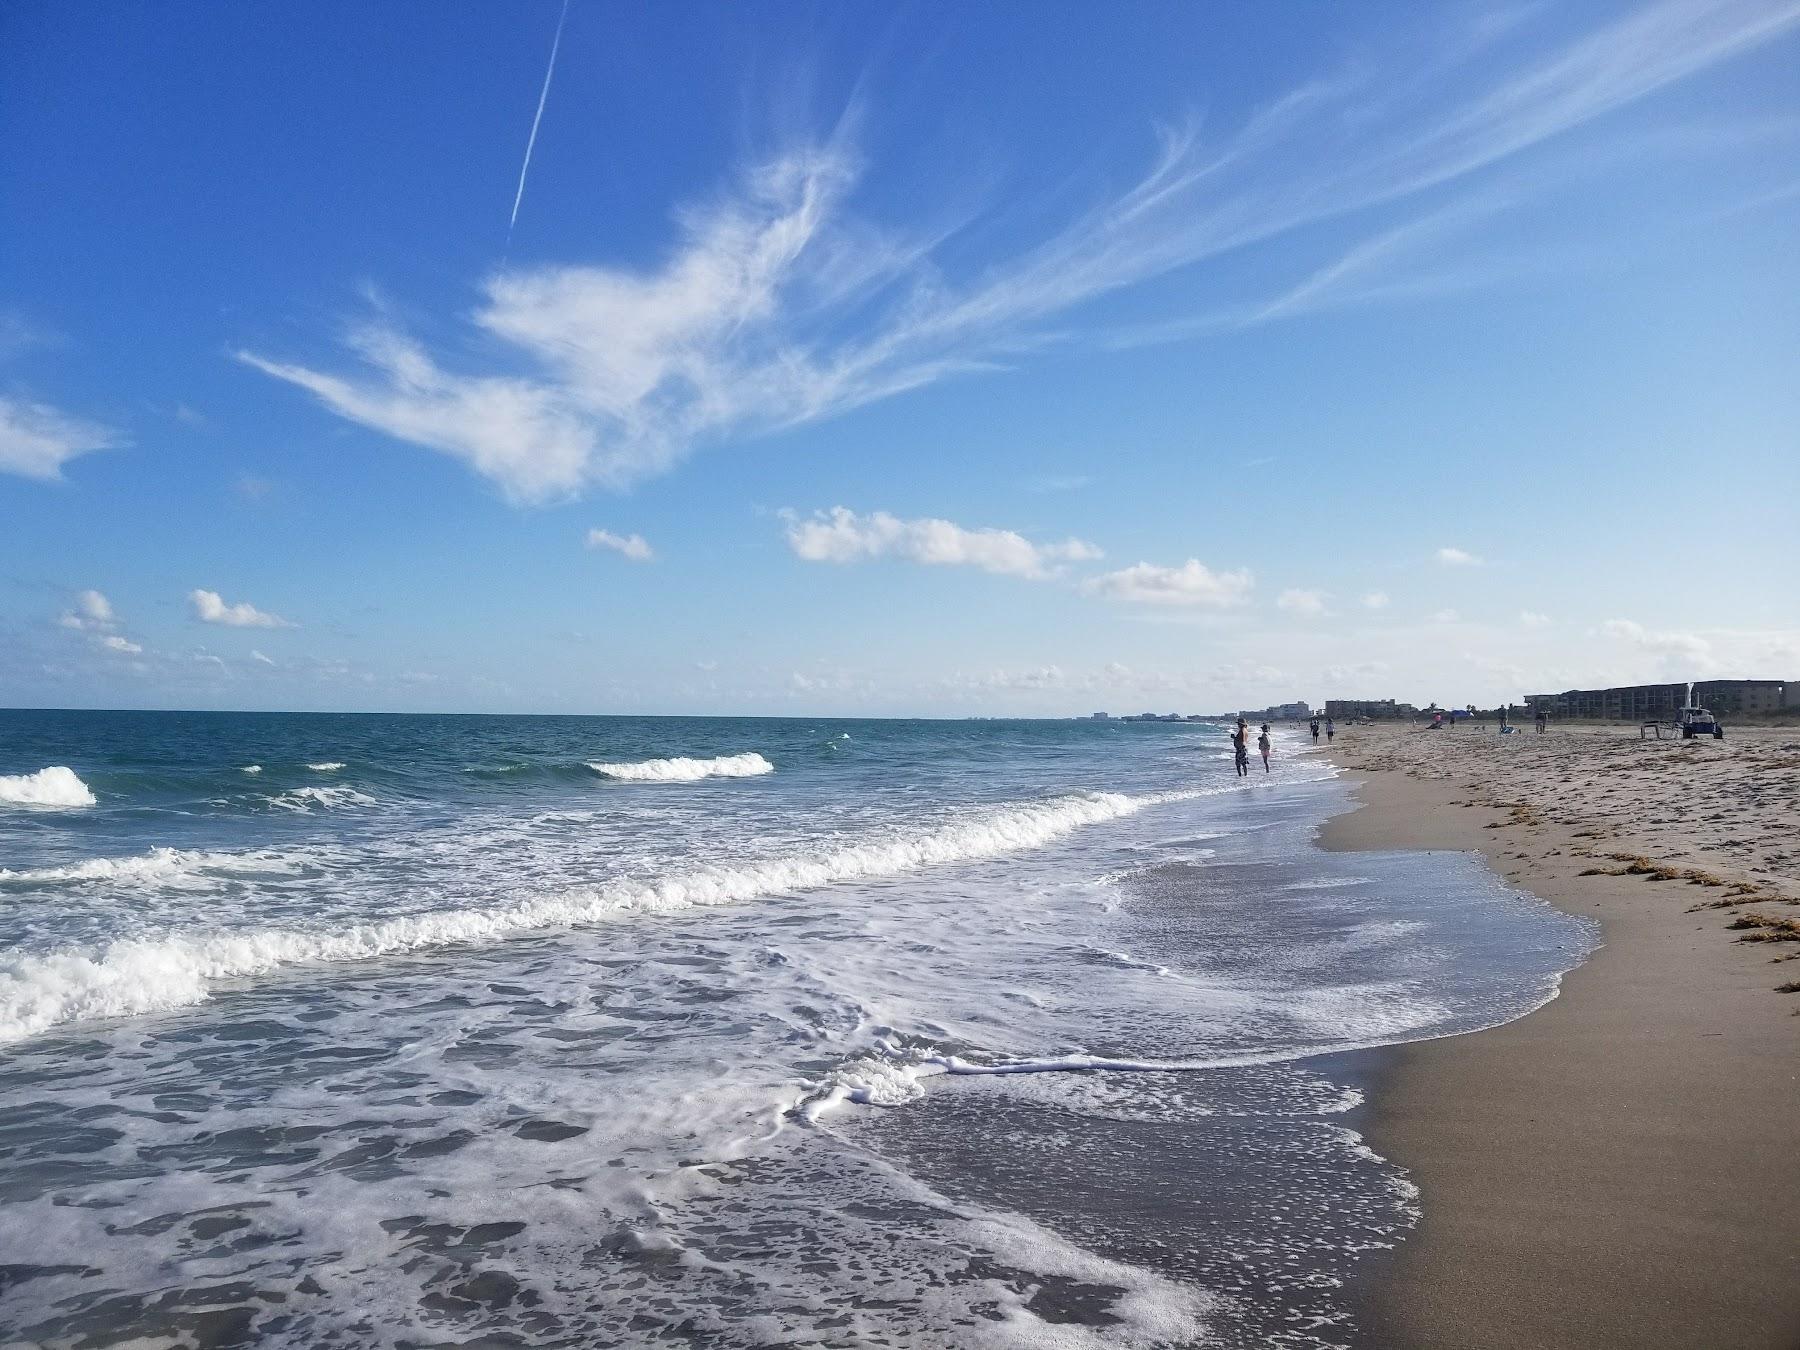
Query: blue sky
928	359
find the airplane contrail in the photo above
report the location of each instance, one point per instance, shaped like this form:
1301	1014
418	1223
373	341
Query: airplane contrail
531	142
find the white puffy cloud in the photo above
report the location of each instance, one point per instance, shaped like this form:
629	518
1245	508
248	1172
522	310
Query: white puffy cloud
92	612
1456	557
1297	601
36	440
1191	584
1445	616
842	536
1530	618
210	607
95	606
1375	600
632	546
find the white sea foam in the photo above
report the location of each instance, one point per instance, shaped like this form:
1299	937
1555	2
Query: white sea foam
327	766
306	798
1326	883
54	786
683	770
252	768
883	1081
160	866
146	974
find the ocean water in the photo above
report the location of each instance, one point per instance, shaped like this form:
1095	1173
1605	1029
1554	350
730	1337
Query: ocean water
484	1031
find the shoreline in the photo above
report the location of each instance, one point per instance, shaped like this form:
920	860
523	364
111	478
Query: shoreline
1620	1167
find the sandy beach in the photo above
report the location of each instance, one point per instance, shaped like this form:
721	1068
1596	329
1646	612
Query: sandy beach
1618	1168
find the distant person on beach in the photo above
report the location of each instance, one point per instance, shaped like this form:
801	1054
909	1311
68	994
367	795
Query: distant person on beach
1330	728
1262	744
1240	747
1315	728
1543	718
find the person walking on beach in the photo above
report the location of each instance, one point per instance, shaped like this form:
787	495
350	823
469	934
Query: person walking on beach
1240	748
1330	729
1315	729
1262	744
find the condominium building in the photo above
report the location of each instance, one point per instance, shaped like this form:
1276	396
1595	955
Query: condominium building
1661	702
1738	697
1277	712
1376	708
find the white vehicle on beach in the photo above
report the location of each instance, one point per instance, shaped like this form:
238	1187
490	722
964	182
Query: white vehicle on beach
1699	722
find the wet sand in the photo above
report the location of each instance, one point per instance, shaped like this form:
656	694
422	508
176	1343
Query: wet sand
1622	1167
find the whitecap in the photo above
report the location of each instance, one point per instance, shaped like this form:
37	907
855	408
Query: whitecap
326	766
683	770
54	786
306	798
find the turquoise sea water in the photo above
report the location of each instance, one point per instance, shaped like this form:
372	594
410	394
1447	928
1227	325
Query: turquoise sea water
348	1030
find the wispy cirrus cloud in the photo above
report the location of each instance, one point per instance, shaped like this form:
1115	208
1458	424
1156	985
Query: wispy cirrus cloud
19	334
1067	482
840	535
1674	650
777	304
36	440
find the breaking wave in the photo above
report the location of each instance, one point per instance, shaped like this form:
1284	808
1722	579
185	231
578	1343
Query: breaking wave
306	798
328	766
54	786
683	770
144	975
160	866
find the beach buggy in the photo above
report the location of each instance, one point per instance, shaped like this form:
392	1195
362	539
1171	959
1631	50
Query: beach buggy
1699	722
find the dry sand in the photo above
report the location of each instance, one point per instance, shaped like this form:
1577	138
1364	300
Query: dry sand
1622	1167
